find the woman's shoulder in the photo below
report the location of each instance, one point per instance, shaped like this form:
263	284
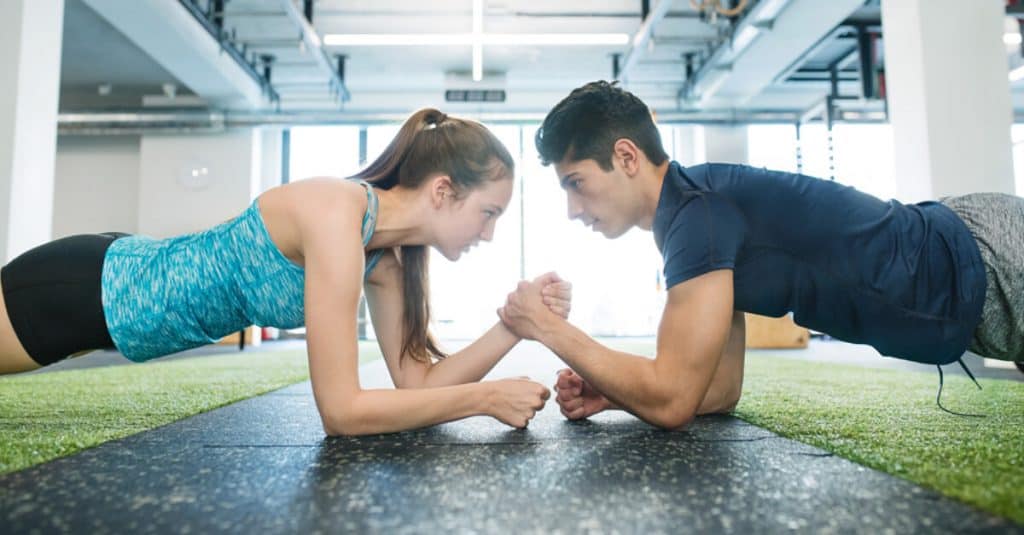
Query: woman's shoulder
320	209
327	198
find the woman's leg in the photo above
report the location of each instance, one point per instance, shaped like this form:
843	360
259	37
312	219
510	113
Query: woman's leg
13	357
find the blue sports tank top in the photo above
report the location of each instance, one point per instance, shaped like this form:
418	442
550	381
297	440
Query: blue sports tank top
164	296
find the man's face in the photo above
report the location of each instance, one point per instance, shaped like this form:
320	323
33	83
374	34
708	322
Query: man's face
598	198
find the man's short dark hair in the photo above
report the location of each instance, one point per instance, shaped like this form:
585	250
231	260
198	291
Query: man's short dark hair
586	124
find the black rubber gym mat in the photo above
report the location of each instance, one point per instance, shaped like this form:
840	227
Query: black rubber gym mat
264	466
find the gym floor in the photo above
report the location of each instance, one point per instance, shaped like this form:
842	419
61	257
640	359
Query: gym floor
264	465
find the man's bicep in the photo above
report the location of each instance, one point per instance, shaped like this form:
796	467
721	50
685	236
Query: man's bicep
694	330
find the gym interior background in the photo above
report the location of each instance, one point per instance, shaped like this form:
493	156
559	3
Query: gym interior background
162	117
118	114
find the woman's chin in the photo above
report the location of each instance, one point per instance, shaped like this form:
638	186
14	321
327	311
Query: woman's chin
452	256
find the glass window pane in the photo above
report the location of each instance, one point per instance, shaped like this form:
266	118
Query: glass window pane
1017	134
617	285
466	294
864	158
772	146
323	151
814	151
377	139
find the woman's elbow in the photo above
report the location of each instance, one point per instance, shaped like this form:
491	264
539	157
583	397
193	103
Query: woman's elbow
341	424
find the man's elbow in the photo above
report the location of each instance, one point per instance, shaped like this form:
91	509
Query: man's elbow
731	401
673	416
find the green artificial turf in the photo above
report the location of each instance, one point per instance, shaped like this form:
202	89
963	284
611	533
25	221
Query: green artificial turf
888	420
49	415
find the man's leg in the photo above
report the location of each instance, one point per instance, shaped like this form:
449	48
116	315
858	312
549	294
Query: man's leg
997	222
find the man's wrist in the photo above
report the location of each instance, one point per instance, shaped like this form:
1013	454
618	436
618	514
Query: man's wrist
550	331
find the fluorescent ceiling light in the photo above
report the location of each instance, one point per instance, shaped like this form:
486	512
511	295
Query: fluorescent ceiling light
468	39
398	39
769	9
567	39
1017	74
1012	38
743	38
478	63
478	49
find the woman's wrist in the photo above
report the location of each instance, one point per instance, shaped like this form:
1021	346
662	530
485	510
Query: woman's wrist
483	397
509	336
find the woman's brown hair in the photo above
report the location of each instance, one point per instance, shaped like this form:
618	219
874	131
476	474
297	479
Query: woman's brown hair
429	144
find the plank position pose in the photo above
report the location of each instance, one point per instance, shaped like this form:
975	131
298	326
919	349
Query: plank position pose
301	254
923	282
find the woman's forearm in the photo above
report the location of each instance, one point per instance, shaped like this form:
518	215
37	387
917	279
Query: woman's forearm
390	411
472	363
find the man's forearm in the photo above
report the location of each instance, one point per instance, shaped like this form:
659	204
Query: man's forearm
472	363
630	382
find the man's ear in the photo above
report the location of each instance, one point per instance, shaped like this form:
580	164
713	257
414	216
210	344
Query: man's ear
628	155
441	190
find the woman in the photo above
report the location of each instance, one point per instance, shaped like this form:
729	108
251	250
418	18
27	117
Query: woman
300	255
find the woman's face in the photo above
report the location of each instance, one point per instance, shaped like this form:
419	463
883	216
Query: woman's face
470	218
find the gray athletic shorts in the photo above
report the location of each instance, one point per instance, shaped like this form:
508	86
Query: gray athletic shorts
997	222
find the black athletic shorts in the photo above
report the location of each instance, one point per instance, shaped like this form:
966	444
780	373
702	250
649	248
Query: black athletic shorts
53	297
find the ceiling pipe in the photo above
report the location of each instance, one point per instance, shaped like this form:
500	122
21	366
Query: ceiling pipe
213	121
713	72
638	44
315	46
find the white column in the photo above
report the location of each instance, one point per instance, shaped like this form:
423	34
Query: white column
949	96
725	144
30	51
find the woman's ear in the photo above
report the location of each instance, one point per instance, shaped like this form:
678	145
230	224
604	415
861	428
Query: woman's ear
441	190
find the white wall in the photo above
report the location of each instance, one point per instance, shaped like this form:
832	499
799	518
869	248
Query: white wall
96	187
130	183
167	207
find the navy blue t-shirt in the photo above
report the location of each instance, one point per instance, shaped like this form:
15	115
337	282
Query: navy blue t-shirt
905	279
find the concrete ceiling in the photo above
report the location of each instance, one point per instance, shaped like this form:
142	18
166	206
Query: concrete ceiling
398	79
95	53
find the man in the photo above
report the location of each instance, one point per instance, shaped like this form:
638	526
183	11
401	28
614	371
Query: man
923	282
